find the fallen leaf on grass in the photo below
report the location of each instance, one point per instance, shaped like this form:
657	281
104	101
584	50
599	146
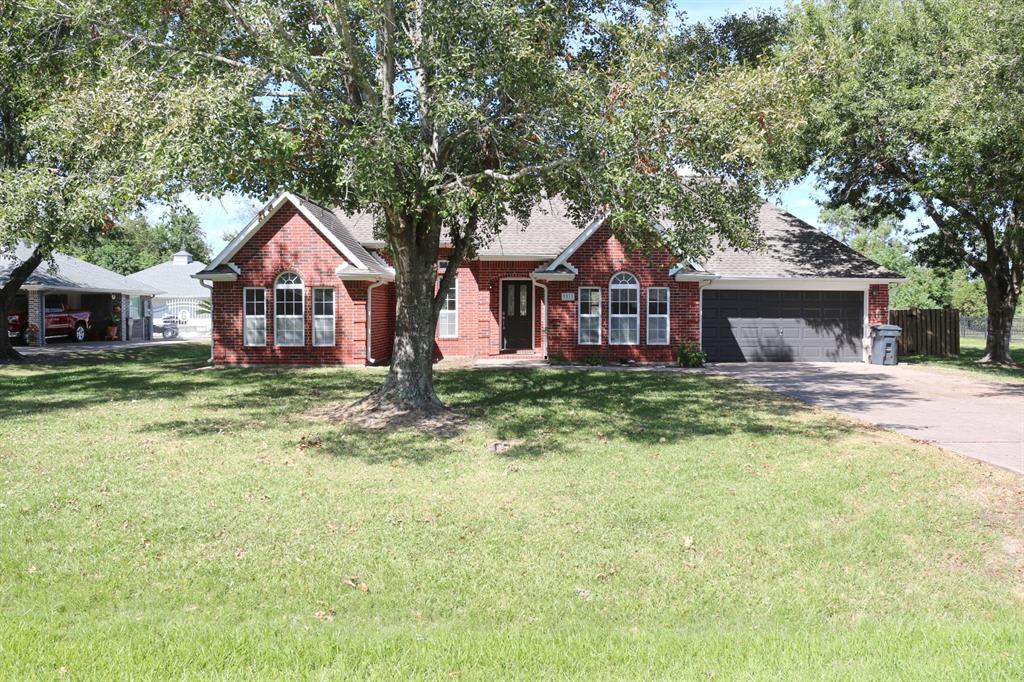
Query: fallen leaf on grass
608	573
327	615
500	446
356	584
309	441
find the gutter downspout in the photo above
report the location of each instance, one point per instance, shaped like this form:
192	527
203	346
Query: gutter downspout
544	320
203	283
369	321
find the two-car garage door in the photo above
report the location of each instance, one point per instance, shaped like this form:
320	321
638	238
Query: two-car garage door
782	326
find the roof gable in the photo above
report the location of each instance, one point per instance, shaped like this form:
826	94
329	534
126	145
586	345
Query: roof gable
363	264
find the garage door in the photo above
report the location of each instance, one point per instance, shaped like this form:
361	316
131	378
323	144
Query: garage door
782	326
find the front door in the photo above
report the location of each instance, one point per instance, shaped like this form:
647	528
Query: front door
516	315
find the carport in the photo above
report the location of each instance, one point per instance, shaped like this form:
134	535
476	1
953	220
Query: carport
113	302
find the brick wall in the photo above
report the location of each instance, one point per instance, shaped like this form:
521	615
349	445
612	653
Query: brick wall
382	319
597	260
878	304
34	314
288	243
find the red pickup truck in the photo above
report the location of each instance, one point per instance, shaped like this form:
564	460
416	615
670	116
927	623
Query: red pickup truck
59	322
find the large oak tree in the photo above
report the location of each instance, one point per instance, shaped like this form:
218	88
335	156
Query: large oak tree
443	119
917	106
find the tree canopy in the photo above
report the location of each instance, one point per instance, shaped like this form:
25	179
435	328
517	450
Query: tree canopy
135	243
917	106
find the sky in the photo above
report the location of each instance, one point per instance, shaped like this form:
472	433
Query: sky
229	213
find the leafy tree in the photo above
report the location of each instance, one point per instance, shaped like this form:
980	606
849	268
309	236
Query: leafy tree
134	244
74	127
887	243
918	106
743	39
443	119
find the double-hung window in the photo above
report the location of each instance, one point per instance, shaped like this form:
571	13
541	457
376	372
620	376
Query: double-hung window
255	317
289	318
624	310
323	317
590	316
448	320
657	316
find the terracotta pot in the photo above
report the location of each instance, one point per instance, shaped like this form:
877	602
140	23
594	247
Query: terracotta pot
112	333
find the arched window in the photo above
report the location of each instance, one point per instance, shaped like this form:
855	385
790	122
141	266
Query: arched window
624	309
289	311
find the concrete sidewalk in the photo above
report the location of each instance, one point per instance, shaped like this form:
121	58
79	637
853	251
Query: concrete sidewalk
975	417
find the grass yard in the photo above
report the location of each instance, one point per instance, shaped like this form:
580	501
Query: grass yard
161	521
971	350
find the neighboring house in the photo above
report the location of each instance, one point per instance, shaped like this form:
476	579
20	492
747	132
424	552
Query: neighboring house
182	298
74	284
304	285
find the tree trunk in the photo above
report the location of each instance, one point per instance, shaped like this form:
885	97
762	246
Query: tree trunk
1002	302
410	381
10	288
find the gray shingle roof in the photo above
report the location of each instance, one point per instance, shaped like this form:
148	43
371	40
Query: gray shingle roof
343	234
794	249
70	273
174	279
548	232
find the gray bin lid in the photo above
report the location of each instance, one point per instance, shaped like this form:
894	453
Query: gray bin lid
887	328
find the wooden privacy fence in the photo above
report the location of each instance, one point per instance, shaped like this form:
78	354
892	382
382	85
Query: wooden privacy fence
928	332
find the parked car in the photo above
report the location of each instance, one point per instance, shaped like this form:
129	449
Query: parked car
60	321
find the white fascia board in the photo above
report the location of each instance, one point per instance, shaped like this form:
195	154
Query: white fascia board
90	290
691	276
579	241
268	212
552	276
215	278
348	273
796	283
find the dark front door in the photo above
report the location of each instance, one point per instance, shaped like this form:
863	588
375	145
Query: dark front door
516	315
782	326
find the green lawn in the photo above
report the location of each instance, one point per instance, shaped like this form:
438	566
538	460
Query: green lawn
158	520
971	350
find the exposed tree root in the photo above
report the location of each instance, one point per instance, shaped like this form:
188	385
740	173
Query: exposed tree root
9	356
380	412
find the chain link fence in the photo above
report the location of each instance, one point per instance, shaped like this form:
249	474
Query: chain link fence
977	326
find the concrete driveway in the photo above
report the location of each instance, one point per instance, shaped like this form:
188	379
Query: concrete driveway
974	417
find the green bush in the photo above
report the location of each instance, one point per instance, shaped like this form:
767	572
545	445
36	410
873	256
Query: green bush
593	359
690	355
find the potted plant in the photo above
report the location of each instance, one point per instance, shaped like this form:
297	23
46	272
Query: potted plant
32	334
114	325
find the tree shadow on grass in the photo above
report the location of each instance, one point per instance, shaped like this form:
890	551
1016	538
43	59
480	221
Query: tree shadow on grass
538	412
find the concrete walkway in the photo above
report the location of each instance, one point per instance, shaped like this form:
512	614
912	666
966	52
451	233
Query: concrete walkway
974	417
57	348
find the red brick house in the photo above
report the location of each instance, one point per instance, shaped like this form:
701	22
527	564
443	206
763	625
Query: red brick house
305	285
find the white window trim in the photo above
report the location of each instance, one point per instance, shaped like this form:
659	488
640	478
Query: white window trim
440	327
332	317
635	287
302	288
667	316
580	316
246	316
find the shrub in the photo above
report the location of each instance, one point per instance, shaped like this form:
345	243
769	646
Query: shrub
593	359
690	355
